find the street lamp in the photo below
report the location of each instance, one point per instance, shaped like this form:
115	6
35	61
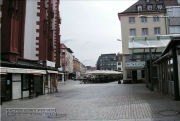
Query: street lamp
121	52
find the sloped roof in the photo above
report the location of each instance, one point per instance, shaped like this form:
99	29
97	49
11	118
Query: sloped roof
133	9
63	46
171	3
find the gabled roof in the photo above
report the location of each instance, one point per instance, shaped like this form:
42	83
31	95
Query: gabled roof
171	3
63	46
133	8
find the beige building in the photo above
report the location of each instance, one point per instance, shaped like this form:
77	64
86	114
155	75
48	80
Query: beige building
144	18
66	61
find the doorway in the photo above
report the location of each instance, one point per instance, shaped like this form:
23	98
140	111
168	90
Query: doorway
134	75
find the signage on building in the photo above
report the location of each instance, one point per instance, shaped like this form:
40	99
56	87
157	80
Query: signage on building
50	63
60	69
135	64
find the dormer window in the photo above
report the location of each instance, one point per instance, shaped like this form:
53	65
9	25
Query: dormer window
149	7
139	8
159	7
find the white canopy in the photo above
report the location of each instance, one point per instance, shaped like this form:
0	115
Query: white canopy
102	72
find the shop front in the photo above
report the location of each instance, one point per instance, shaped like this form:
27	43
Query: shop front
52	81
135	71
19	83
145	49
169	69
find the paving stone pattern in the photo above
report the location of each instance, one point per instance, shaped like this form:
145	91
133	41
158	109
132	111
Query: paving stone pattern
99	102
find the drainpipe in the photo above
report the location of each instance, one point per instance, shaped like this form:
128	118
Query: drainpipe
166	24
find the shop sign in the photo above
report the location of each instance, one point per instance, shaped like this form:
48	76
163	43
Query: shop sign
135	64
50	64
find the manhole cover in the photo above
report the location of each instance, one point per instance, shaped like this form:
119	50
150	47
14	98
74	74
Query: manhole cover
168	113
57	116
58	96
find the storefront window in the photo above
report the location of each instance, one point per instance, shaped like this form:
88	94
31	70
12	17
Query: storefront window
25	82
129	75
143	73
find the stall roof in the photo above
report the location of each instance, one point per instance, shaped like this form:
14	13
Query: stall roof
166	53
174	41
145	42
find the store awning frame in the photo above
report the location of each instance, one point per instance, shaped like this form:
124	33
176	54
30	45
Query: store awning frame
21	70
148	42
52	72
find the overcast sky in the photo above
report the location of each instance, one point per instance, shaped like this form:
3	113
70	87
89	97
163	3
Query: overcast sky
91	27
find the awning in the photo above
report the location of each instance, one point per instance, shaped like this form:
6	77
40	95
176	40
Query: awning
16	70
21	70
32	71
3	69
145	42
50	71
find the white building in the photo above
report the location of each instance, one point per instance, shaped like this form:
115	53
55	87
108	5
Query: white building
173	17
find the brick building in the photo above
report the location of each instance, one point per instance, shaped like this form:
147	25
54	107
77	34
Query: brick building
30	47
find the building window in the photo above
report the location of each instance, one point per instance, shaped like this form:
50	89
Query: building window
25	82
176	11
178	1
159	7
157	30
144	19
156	18
144	31
149	7
129	74
119	68
139	8
174	29
147	0
132	32
119	63
131	19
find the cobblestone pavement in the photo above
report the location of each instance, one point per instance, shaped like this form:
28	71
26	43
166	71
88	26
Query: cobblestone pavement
99	102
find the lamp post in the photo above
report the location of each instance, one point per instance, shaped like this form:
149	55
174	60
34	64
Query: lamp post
121	48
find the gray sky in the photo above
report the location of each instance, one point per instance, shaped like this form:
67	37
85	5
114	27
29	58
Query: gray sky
91	27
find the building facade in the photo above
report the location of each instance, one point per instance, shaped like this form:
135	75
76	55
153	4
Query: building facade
0	17
107	62
119	62
173	17
78	68
41	37
29	40
66	60
144	18
169	69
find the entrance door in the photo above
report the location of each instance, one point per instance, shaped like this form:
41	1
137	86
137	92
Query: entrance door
38	84
134	75
9	87
6	87
31	86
